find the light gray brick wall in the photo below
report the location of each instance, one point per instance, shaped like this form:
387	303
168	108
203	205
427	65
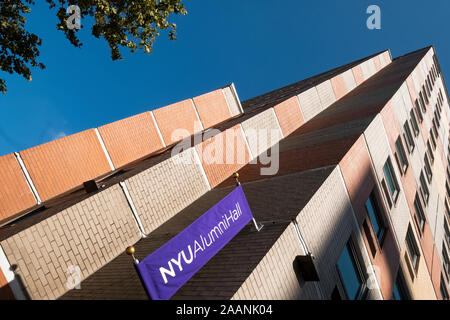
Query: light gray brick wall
163	190
326	94
310	103
262	131
349	80
231	101
89	234
378	145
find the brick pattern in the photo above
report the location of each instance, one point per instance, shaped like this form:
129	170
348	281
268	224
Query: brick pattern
339	86
58	166
212	108
15	194
289	115
223	154
326	94
358	74
378	145
310	103
349	80
163	190
232	101
274	277
262	131
177	121
130	139
88	234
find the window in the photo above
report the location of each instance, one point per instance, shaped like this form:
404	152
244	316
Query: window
375	215
423	98
350	272
414	124
412	249
391	180
419	113
427	167
444	291
419	214
430	152
427	88
447	232
408	137
400	290
446	261
424	188
403	161
433	140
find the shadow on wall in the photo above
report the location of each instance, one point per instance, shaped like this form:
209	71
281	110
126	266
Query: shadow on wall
6	292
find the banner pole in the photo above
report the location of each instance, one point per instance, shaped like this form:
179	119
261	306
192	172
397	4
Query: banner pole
258	227
131	251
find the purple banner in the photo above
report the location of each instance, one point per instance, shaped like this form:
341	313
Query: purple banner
167	269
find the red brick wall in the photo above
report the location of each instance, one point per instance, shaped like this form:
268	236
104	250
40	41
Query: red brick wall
358	74
289	115
58	166
217	172
339	87
360	180
180	115
212	108
129	139
15	194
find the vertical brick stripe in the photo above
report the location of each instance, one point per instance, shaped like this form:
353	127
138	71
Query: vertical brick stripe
212	108
15	194
217	148
289	115
180	115
130	139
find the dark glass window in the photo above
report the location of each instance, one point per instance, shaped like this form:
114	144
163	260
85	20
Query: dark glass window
423	97
446	261
420	215
400	290
413	250
427	167
350	273
403	160
391	179
444	291
375	215
414	123
419	113
424	188
408	137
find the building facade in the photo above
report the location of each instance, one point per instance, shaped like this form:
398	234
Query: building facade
348	171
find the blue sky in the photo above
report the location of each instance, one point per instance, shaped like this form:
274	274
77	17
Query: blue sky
259	45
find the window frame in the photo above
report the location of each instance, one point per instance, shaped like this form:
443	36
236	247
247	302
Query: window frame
357	268
419	213
424	188
411	245
378	215
409	137
414	123
401	153
395	190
